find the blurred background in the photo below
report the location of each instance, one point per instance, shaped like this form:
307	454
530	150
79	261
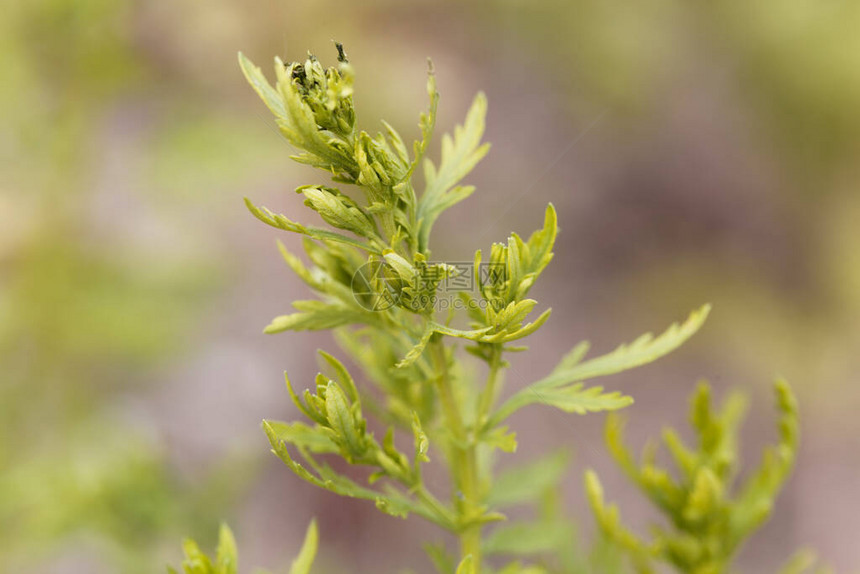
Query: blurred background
696	151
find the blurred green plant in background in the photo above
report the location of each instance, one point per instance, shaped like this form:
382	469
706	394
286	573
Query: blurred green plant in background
88	311
709	522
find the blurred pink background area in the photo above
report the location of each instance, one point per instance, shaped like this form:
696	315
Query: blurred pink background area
696	152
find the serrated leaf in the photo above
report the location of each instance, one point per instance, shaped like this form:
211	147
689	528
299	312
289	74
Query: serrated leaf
500	438
316	315
415	352
473	335
338	210
279	221
577	399
390	501
754	504
643	350
580	399
426	123
300	434
431	329
514	314
296	120
460	154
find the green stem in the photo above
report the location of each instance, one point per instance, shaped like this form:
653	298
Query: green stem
436	505
488	396
464	464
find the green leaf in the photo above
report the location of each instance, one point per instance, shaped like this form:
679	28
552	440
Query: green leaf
296	119
431	329
415	352
642	351
708	522
319	315
571	369
427	122
466	566
390	501
500	438
341	419
301	125
341	375
538	251
472	335
460	155
303	562
609	521
755	501
576	398
338	210
528	538
299	434
422	443
581	400
527	482
281	222
226	555
261	85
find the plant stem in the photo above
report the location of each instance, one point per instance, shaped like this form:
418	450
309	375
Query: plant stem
432	502
464	464
488	396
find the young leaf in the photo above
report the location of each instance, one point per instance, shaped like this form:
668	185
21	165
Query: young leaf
303	562
460	155
282	222
642	351
261	85
422	443
575	398
227	555
427	121
301	435
319	315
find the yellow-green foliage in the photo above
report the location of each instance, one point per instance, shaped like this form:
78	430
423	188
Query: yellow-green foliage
381	219
708	517
226	560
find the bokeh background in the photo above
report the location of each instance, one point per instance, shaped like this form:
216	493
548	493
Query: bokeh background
696	151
